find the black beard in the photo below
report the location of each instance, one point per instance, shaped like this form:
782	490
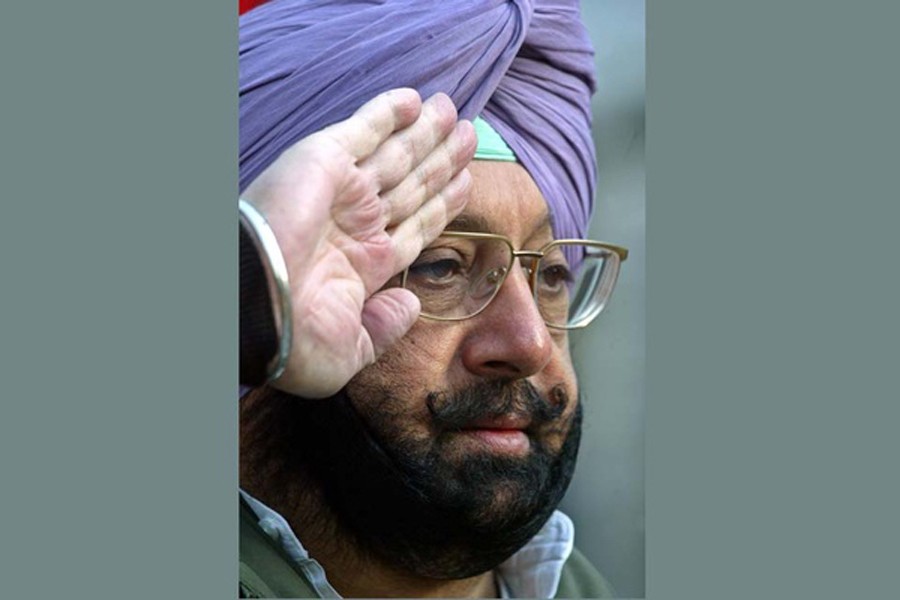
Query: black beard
416	507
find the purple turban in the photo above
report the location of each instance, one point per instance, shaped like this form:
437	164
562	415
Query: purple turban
525	66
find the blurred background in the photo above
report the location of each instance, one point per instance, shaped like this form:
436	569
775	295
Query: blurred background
606	499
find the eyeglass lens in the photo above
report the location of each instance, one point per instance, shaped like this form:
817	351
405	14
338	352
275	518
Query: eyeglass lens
457	277
574	282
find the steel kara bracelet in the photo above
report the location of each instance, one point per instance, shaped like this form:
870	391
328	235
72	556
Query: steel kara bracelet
279	285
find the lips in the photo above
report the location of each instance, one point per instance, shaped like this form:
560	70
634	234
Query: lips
504	433
501	422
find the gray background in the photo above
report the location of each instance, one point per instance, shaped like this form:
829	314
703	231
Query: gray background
772	322
606	499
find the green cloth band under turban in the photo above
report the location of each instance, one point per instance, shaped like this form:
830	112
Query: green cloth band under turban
490	145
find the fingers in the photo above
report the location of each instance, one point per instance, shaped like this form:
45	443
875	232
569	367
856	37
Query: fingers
375	121
427	223
388	315
432	174
403	151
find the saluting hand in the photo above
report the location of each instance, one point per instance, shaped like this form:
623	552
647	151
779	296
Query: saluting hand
351	206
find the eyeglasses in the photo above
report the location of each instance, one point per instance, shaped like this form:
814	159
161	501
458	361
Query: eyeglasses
461	272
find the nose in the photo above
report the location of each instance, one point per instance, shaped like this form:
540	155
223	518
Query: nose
509	338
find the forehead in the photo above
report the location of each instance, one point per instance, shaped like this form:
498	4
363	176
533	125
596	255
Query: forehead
505	200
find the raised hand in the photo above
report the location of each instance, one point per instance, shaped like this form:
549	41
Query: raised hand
351	206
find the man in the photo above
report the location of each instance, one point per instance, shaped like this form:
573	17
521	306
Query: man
436	470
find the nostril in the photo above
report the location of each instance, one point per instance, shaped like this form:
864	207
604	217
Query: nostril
499	365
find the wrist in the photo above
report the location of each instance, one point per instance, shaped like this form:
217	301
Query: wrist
273	263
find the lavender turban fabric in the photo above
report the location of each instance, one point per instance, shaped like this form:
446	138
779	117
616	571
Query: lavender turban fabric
526	66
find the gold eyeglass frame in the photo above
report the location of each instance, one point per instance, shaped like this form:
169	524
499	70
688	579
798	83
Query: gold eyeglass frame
532	271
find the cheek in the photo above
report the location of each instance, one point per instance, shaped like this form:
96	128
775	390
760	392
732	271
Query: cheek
560	372
554	434
397	384
421	359
561	340
431	345
571	387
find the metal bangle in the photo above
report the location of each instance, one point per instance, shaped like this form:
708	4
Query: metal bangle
277	275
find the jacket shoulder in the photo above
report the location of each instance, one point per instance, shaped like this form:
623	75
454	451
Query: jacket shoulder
580	579
265	571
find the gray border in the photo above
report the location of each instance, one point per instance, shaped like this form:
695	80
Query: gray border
119	258
771	443
772	395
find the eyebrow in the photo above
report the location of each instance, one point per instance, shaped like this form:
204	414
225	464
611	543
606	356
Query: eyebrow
469	223
545	223
479	224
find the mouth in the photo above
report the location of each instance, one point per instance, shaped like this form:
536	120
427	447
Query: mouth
505	434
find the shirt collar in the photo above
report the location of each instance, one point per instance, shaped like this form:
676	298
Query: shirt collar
532	572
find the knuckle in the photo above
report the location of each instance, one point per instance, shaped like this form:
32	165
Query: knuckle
436	177
367	181
408	153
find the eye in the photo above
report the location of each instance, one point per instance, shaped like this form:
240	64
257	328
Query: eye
556	278
435	270
439	268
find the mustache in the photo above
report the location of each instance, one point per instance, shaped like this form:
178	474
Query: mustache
492	399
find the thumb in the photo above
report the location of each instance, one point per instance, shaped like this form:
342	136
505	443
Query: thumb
388	315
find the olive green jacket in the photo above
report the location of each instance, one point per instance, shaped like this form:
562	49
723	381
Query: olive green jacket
266	571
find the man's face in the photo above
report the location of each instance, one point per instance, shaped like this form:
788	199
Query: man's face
479	409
